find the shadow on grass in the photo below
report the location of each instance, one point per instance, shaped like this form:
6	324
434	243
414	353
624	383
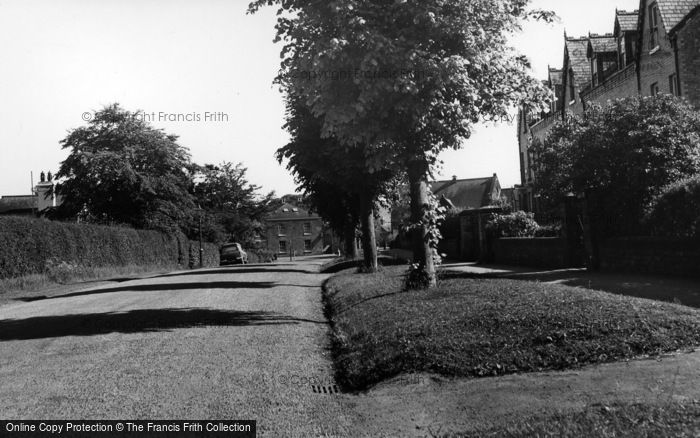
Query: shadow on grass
136	321
680	290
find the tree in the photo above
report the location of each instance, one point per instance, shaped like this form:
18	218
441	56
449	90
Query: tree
121	170
234	209
408	76
621	156
324	168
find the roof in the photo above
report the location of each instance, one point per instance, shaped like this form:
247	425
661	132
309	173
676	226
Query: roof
291	212
674	11
555	76
577	49
601	44
626	21
466	193
12	204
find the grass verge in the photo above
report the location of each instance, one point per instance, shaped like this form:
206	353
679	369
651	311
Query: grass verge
487	327
628	420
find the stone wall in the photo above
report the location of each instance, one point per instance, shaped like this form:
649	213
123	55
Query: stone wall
651	255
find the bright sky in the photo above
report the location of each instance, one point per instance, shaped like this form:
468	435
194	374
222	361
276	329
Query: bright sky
61	59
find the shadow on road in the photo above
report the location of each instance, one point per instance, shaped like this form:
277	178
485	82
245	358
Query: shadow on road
231	270
161	287
136	321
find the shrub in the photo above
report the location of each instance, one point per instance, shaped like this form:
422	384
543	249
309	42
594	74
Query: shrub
551	230
518	224
676	211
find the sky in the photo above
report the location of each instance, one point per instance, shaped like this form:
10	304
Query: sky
209	64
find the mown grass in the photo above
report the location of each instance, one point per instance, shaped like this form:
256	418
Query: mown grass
630	420
488	327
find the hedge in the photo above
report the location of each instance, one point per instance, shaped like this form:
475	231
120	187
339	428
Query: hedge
27	245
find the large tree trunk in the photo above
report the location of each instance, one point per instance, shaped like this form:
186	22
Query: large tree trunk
351	252
369	240
422	253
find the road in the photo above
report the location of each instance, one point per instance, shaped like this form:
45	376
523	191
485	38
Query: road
229	343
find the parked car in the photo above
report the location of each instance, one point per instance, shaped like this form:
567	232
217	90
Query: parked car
232	254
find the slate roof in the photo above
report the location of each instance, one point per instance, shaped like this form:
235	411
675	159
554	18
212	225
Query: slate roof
555	76
577	48
466	193
626	21
601	44
291	212
17	204
674	11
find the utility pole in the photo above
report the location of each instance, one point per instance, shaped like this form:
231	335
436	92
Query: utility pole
201	249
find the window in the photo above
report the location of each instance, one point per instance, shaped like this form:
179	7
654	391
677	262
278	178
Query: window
307	228
283	246
622	59
594	62
655	89
307	246
572	88
653	26
282	230
673	85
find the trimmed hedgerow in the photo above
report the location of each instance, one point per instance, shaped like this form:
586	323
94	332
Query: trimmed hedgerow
29	246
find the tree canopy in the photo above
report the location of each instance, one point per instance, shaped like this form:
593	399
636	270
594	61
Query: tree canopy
406	79
122	170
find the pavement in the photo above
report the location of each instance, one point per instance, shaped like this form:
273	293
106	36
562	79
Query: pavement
679	290
251	342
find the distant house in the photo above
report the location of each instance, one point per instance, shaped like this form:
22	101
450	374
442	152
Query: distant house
23	205
292	229
34	204
467	194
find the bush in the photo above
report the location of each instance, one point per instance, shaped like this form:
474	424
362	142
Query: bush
59	250
518	224
551	230
676	211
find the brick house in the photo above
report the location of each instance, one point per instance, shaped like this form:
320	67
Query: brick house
291	229
653	50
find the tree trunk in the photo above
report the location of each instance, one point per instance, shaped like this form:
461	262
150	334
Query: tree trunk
351	252
422	253
369	240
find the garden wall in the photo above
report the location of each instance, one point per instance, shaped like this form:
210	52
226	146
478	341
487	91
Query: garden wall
651	255
537	252
27	244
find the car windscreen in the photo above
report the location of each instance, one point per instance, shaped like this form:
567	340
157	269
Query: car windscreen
229	250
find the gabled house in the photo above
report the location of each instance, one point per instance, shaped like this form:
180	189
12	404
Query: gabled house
653	50
626	33
669	48
577	72
468	194
603	57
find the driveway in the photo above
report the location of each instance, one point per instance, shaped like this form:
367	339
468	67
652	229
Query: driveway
231	343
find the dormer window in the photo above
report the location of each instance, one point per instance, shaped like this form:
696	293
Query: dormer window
653	26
